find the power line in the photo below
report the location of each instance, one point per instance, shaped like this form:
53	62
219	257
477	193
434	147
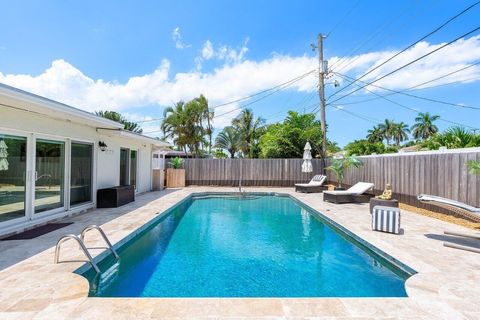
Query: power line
419	40
277	87
415	110
377	32
266	90
343	18
285	85
402	67
356	114
412	95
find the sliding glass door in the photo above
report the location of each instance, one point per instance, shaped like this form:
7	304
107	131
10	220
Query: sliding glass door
13	168
49	175
81	173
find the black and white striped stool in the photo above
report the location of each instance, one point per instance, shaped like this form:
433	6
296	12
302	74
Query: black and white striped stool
386	219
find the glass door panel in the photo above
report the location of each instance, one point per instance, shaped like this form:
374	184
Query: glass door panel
49	175
13	168
81	173
123	167
133	168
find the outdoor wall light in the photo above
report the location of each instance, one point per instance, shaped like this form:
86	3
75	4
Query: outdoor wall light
102	145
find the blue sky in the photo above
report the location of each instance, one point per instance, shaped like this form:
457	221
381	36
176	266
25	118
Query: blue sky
139	56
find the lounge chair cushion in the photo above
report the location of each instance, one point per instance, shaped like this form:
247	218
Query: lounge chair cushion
386	219
317	180
357	189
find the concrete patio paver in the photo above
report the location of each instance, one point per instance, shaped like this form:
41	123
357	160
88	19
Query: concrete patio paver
447	285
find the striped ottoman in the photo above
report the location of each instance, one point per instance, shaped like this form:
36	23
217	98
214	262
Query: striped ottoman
386	219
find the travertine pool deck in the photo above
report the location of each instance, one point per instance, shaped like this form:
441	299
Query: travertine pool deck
447	285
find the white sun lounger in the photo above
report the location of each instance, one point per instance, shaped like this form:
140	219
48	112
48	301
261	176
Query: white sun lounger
356	193
315	185
460	208
455	206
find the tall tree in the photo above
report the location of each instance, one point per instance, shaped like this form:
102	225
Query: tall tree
375	135
229	139
117	117
400	132
387	129
287	139
206	116
424	127
248	127
188	124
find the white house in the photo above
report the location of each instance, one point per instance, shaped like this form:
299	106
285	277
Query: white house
53	159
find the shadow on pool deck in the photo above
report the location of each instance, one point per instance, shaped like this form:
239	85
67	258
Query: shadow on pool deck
15	251
473	243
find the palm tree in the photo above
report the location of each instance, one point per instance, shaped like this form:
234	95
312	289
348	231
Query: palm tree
229	139
387	129
206	115
424	127
187	124
248	128
117	117
174	125
375	135
400	132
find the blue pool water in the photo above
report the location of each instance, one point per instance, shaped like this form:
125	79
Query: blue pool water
259	246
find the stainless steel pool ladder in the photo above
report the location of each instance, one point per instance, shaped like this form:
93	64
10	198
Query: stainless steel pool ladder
82	246
104	236
81	243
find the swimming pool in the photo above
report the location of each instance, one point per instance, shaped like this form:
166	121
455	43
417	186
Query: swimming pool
219	245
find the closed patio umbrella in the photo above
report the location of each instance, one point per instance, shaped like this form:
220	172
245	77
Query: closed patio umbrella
3	156
307	158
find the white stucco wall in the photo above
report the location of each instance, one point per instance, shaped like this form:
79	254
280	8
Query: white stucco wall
107	163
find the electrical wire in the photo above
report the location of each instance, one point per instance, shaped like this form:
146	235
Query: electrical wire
402	67
416	110
343	18
340	63
412	95
419	40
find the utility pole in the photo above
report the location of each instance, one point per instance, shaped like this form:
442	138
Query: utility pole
322	71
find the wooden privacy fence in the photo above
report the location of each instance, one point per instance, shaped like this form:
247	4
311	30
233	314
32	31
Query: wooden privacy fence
442	174
253	172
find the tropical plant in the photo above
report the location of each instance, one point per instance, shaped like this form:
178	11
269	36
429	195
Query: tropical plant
187	124
473	166
400	132
424	127
117	117
229	139
364	147
287	139
219	154
387	129
176	163
375	135
249	129
452	138
338	167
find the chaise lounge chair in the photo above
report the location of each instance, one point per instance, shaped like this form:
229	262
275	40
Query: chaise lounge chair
460	208
315	185
355	194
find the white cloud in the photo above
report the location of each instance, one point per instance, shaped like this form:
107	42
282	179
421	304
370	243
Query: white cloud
178	39
236	77
207	50
223	53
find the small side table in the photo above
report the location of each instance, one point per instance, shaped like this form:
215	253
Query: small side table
381	202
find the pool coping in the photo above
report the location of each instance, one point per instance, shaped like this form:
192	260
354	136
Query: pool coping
436	291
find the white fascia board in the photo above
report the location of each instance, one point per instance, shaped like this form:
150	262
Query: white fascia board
135	136
31	102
